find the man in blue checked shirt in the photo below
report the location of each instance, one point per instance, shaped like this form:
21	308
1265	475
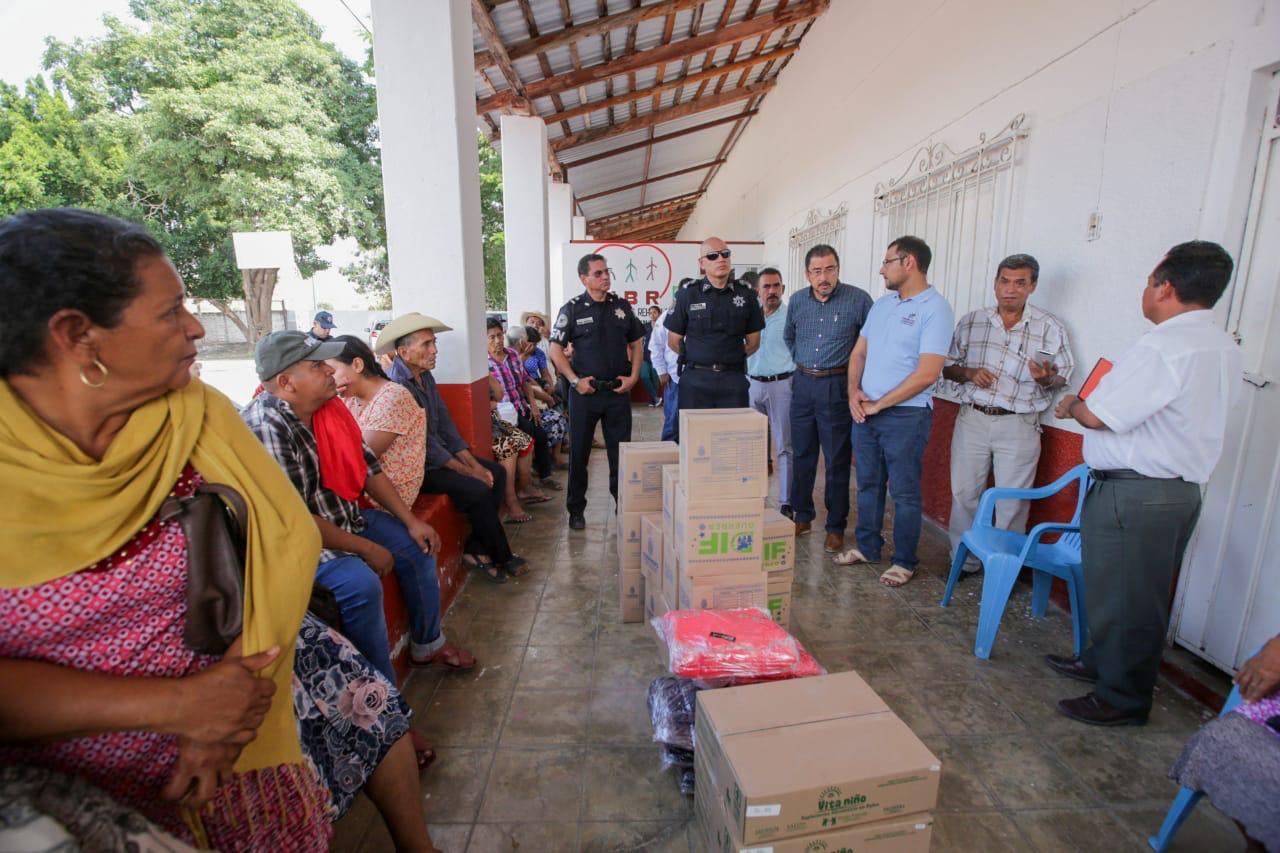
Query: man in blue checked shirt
769	372
823	324
891	375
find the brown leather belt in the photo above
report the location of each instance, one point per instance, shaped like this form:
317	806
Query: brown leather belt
995	411
824	371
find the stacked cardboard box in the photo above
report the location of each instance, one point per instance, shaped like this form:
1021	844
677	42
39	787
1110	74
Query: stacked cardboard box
713	512
640	466
779	563
810	764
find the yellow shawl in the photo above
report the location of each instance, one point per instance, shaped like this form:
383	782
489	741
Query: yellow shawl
62	511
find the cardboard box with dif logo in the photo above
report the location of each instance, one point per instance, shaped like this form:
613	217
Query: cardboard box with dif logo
724	454
640	466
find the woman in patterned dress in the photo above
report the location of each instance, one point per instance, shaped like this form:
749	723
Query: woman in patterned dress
523	393
100	422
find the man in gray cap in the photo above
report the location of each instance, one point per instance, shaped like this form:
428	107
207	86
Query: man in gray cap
359	545
476	486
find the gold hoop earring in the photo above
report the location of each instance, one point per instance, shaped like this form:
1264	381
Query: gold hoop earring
102	368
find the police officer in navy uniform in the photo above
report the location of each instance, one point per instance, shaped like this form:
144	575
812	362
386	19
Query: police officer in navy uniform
608	343
715	324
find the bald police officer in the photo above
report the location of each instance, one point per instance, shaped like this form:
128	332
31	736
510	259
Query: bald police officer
715	324
608	344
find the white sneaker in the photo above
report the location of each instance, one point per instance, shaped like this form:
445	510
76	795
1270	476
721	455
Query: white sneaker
850	557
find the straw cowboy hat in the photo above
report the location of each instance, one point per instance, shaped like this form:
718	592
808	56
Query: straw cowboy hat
406	324
524	318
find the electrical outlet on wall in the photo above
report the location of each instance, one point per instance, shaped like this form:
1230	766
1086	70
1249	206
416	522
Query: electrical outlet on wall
1094	230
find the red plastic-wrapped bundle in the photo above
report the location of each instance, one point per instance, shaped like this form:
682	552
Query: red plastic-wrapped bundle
737	646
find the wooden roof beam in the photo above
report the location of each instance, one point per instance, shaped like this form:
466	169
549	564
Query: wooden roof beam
606	221
689	108
493	41
676	134
650	180
630	225
678	50
667	85
598	26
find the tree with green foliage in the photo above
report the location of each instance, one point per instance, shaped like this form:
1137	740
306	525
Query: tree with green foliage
235	116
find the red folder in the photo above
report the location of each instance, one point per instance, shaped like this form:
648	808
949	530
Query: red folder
1101	369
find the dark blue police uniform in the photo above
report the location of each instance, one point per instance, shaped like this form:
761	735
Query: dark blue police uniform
600	333
714	321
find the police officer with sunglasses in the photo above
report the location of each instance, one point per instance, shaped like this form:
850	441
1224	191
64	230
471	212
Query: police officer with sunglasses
714	325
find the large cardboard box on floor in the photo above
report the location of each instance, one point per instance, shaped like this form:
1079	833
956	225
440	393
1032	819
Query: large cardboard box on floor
629	533
779	594
670	480
640	474
779	542
723	592
670	572
631	595
906	834
797	757
724	453
718	537
651	548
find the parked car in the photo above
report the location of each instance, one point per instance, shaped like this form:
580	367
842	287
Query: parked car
374	332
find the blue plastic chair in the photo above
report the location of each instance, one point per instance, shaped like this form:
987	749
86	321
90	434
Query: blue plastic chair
1003	554
1185	801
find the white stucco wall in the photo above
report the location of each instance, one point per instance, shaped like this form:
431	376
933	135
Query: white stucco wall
1145	111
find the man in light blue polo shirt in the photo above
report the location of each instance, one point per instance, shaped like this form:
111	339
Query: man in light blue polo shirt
897	359
769	372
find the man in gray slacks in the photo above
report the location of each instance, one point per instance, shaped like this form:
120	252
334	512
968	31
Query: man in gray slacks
769	372
1154	429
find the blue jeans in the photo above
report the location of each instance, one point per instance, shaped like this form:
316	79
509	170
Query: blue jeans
820	419
671	412
888	449
359	593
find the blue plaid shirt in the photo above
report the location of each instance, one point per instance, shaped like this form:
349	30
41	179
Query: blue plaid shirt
820	335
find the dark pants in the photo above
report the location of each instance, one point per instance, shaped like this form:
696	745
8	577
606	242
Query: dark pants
820	419
888	449
713	389
541	447
1132	534
585	411
479	503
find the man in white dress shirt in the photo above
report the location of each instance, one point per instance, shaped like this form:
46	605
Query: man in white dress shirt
1008	362
1154	429
666	363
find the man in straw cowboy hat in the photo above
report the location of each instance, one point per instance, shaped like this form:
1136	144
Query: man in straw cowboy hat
476	486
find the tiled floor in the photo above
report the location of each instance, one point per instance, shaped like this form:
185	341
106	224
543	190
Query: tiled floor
546	745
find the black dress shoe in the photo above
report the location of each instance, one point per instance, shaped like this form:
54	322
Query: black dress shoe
1092	710
577	522
786	510
1071	668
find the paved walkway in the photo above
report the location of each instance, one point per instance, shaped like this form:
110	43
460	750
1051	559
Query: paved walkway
546	745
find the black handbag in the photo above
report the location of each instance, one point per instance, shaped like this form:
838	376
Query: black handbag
213	520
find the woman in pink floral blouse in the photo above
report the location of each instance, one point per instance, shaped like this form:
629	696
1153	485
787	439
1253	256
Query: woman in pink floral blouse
394	425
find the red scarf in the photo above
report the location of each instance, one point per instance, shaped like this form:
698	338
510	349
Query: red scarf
340	445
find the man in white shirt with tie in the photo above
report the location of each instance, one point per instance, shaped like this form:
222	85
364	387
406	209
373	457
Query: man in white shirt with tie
1154	429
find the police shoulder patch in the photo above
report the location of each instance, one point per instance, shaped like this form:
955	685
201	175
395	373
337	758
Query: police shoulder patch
562	320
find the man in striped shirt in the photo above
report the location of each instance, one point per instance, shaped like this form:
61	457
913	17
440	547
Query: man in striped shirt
1008	361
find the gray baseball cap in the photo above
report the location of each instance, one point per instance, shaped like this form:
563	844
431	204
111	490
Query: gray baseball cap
281	350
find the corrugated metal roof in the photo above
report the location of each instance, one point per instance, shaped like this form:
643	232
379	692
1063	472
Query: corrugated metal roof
647	149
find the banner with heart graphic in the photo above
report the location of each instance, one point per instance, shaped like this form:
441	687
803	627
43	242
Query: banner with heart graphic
647	273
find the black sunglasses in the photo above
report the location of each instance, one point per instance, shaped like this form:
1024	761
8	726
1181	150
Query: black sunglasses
715	256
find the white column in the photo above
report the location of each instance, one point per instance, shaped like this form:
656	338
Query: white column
425	69
559	232
524	207
579	227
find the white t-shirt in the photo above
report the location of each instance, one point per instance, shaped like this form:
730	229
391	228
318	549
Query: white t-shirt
1166	401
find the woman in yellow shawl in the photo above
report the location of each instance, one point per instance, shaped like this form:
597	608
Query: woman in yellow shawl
99	423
